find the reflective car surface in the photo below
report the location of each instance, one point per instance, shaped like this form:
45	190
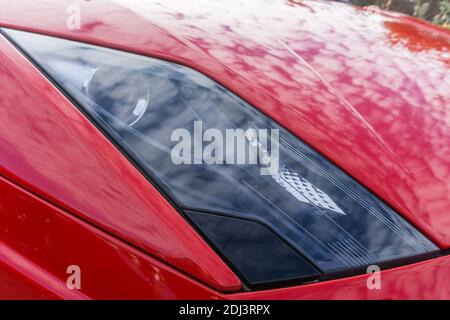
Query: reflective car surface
87	118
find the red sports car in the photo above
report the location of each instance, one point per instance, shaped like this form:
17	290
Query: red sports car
222	150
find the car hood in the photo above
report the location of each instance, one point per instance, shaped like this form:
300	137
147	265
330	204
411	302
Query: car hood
369	90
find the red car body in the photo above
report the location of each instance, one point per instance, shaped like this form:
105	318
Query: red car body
372	94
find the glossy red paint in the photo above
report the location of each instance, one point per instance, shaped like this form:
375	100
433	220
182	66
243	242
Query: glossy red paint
370	94
38	241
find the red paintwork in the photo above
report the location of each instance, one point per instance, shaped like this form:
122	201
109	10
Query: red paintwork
371	94
39	241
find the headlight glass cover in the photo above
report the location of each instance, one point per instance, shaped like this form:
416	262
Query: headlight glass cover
302	219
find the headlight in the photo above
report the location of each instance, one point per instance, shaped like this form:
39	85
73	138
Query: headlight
300	219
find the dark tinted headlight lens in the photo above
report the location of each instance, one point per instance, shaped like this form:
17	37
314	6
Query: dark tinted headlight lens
297	218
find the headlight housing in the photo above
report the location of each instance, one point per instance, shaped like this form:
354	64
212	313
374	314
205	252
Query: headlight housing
298	219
